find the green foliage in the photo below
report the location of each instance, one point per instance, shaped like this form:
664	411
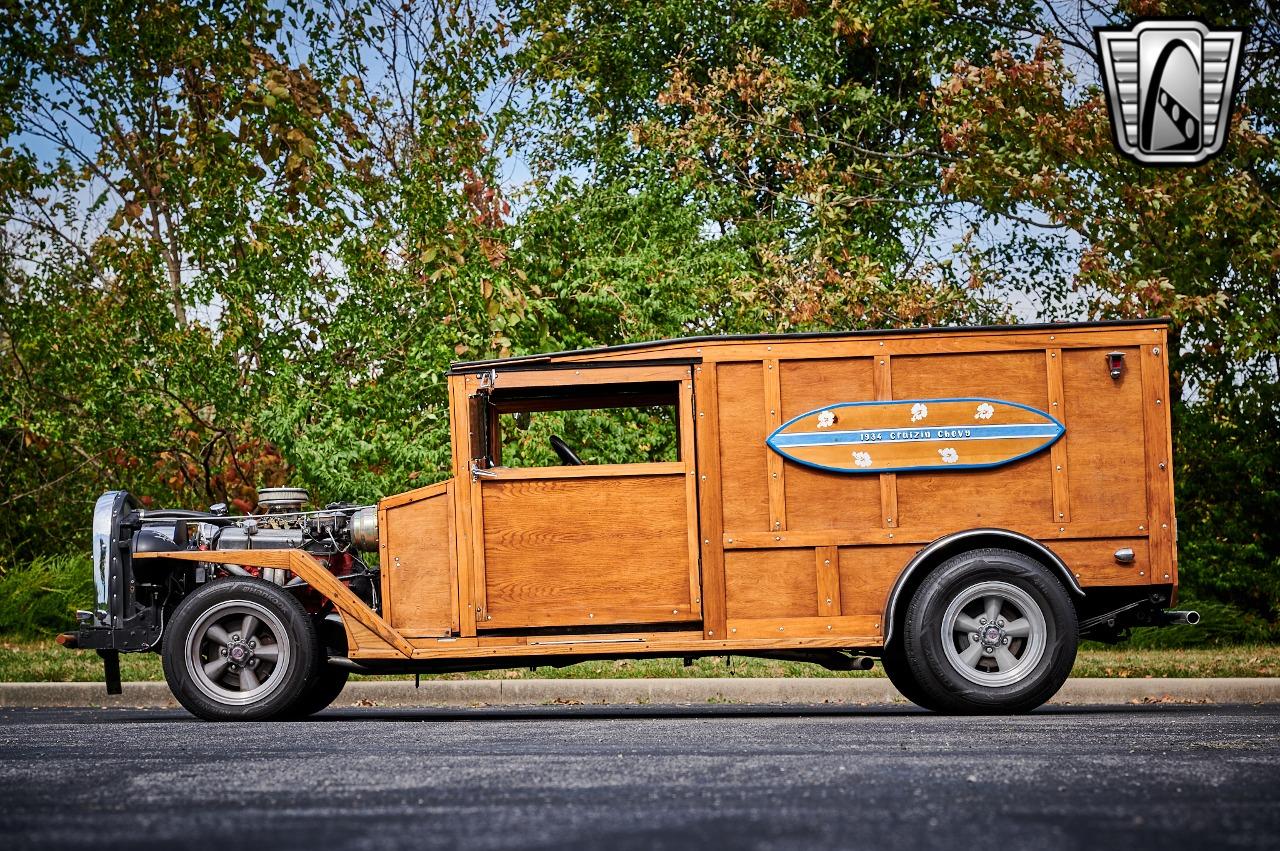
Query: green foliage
40	596
1222	625
603	436
1228	463
243	243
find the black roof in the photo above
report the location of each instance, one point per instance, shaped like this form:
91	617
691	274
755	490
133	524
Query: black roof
526	361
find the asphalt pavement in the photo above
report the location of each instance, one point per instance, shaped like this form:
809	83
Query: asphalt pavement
711	776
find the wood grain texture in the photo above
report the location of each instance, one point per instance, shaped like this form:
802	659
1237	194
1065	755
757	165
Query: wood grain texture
689	461
883	373
1094	562
866	576
846	637
407	497
252	558
419	566
1104	438
1159	463
710	525
744	468
1005	496
1042	530
959	341
816	499
1060	472
578	552
579	377
464	491
827	565
770	583
585	471
775	466
857	628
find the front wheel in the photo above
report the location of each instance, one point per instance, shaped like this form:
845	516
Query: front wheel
990	631
240	649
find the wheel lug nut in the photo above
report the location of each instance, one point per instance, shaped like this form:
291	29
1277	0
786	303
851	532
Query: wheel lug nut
1006	639
1000	622
982	620
972	635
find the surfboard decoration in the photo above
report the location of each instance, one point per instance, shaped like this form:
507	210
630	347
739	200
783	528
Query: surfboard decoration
915	435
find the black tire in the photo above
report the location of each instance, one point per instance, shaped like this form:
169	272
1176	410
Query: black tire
325	687
328	680
894	661
993	670
204	640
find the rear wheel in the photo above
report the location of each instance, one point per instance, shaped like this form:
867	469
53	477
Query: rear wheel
990	631
894	661
239	649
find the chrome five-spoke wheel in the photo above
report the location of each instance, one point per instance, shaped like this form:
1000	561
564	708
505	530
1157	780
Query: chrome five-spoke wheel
237	652
993	633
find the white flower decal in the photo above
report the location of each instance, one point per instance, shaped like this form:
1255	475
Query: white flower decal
919	411
862	459
826	419
985	412
949	455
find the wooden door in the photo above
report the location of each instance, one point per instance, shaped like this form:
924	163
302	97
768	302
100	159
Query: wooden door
595	545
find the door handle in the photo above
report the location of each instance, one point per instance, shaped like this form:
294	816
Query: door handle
478	472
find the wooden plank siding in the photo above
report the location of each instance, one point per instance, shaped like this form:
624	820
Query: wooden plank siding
745	549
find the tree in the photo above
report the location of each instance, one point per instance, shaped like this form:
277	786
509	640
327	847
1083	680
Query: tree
1032	148
165	188
795	137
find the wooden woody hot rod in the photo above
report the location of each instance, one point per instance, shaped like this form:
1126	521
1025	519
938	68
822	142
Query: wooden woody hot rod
962	503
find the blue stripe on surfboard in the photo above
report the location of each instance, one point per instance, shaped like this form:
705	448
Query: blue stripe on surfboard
932	434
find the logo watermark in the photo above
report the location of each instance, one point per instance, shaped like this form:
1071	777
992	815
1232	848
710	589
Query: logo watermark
1169	86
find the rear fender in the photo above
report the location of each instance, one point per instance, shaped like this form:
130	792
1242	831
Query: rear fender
971	539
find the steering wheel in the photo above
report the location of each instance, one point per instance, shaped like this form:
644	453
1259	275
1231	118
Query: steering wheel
567	455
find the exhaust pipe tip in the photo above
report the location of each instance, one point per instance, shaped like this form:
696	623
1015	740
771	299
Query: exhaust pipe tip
1189	618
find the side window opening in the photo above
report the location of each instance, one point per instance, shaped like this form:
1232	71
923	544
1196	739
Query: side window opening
606	424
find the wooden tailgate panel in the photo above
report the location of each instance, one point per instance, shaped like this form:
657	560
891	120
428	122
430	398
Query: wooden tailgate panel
556	553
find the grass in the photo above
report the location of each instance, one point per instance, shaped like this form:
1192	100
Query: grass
24	660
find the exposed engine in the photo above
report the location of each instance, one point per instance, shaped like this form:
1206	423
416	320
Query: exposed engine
134	595
334	535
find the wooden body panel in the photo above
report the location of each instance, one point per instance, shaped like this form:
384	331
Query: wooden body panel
584	551
754	551
419	568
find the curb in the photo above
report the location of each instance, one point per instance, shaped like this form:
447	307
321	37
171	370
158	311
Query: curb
855	691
